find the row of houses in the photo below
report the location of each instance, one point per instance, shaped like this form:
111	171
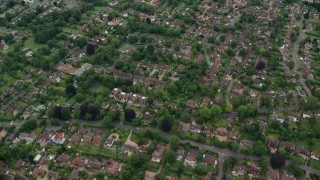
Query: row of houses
141	101
291	148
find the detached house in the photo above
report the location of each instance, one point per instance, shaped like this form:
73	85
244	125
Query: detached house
208	159
290	147
58	138
294	116
191	104
315	155
195	128
222	131
157	155
192	156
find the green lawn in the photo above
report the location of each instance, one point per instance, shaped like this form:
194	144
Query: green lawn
315	164
61	100
220	123
32	45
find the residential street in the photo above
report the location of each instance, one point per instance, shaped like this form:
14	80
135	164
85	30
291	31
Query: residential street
221	152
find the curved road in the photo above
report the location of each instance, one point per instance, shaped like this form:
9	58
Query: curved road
221	152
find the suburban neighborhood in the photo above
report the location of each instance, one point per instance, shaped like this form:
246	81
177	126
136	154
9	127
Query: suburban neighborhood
160	89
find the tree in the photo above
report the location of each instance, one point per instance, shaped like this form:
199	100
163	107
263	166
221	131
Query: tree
205	113
260	149
261	65
29	125
11	3
148	20
242	110
91	49
166	125
216	110
129	114
277	160
65	113
71	90
170	156
229	107
174	142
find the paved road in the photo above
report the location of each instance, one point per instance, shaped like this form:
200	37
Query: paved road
295	57
21	94
279	109
221	152
229	90
221	166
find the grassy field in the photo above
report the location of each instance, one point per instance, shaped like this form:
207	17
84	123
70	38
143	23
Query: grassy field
32	45
220	123
315	164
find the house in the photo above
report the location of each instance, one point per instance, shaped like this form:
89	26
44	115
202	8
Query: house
273	175
3	134
109	142
63	159
234	135
104	105
192	156
272	144
38	172
191	104
127	148
315	155
179	154
294	116
262	119
195	129
290	147
45	137
27	137
86	139
58	138
208	176
44	161
94	165
78	162
184	127
11	137
247	143
208	159
206	102
74	175
20	164
75	138
287	177
254	172
239	170
307	114
157	155
276	117
208	131
114	168
302	151
53	175
222	131
97	139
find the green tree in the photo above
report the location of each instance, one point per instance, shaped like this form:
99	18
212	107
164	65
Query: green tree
242	110
229	107
65	113
260	148
170	156
174	142
216	110
204	113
